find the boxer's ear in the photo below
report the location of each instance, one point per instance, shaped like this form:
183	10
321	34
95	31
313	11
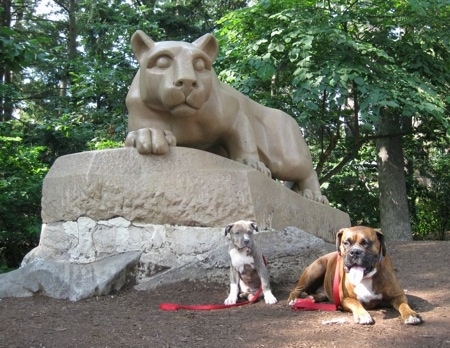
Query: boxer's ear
338	240
227	229
380	236
254	226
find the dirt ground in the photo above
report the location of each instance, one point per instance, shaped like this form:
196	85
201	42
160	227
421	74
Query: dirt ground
133	319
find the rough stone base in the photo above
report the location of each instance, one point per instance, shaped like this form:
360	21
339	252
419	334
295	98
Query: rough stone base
171	210
171	253
187	187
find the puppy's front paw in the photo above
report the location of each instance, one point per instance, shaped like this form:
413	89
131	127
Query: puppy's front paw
269	298
230	300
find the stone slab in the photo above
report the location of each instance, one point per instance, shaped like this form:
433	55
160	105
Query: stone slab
186	187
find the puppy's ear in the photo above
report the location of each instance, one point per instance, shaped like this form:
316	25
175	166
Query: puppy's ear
227	229
254	226
338	239
380	236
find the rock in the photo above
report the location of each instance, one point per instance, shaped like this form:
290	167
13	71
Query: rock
186	187
114	214
287	252
67	280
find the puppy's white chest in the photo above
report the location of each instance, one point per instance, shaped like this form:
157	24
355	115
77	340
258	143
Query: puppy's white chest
364	291
239	260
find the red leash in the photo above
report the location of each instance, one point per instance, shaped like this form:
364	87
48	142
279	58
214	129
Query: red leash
167	306
308	304
207	307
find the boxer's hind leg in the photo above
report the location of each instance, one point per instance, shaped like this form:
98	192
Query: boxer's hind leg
310	281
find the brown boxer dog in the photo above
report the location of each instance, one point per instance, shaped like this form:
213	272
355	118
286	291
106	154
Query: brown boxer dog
367	277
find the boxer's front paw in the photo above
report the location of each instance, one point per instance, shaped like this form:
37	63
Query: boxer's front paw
269	298
409	316
413	319
363	318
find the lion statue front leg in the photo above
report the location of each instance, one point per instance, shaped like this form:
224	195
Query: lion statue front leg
151	141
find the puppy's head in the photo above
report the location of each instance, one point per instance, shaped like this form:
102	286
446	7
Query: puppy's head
360	246
241	234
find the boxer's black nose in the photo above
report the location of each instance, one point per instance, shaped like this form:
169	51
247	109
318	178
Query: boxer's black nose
355	252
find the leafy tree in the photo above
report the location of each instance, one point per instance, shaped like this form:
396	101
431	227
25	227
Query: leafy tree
21	174
358	76
354	72
64	74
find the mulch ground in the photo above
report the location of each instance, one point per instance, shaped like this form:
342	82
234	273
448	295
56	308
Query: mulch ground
133	319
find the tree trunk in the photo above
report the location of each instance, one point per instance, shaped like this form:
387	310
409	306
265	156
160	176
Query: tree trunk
394	213
70	7
6	107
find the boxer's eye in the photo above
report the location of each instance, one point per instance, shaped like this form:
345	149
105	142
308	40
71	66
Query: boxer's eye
365	243
346	243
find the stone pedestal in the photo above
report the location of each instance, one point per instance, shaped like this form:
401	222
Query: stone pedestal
187	187
114	215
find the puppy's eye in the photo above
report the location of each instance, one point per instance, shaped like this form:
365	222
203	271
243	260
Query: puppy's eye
249	232
346	243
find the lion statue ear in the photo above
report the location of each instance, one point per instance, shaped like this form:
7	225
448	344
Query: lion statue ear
141	43
208	44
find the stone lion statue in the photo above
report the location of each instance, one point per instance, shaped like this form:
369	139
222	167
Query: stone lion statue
177	99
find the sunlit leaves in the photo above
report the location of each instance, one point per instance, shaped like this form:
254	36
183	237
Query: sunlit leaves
338	65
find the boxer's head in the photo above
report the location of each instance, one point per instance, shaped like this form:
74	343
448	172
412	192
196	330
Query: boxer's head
360	246
241	234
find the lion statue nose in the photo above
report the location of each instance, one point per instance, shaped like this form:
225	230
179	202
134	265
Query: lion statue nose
186	85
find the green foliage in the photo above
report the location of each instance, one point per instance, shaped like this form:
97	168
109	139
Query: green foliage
335	67
431	187
21	174
68	89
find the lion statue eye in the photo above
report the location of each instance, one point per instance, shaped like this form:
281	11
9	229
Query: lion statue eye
163	62
200	64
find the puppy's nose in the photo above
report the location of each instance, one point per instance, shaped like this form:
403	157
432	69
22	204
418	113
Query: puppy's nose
246	241
355	252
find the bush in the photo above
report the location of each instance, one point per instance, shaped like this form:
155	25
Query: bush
21	175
